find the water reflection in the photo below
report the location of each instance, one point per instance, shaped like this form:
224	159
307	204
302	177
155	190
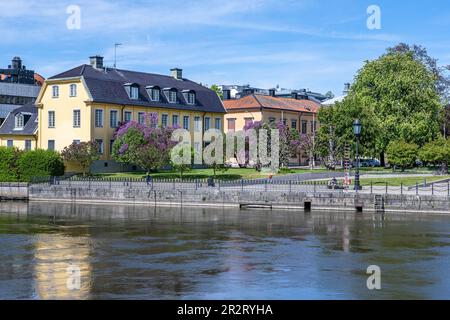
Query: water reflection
143	252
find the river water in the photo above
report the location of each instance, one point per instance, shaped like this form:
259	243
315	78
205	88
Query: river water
64	251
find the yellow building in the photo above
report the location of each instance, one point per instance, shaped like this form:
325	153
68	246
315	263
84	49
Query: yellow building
295	113
89	102
20	128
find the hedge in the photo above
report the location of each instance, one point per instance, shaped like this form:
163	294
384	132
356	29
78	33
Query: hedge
8	164
16	165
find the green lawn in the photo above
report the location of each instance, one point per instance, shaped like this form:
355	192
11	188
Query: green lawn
407	181
230	174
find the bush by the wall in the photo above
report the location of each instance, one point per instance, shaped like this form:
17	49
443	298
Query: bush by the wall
8	164
39	163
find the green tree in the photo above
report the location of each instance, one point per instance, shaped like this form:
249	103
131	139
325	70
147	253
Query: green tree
336	129
437	153
83	153
216	88
401	92
395	97
402	154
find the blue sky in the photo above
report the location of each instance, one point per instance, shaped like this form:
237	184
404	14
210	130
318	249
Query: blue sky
313	44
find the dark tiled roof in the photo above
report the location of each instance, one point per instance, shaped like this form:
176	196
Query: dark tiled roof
107	86
30	126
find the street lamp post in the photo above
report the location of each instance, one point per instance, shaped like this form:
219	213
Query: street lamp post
357	132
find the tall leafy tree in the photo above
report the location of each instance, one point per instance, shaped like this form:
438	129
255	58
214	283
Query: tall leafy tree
440	72
395	97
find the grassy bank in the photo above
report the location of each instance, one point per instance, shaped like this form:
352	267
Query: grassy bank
406	181
230	174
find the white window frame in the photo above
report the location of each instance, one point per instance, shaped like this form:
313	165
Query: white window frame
125	116
218	120
19	122
167	120
134	93
191	98
101	122
73	90
197	124
76	118
51	119
174	93
139	117
54	144
28	141
55	91
207	127
178	120
111	124
188	122
155	92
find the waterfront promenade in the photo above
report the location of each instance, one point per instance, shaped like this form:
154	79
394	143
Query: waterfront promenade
300	193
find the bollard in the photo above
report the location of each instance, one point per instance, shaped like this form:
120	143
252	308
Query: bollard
314	187
417	188
290	186
386	187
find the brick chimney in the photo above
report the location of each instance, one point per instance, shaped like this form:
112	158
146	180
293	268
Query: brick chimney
96	62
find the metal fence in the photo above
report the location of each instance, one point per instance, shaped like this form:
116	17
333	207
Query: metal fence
185	184
263	185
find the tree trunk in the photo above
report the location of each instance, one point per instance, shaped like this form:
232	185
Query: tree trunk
382	160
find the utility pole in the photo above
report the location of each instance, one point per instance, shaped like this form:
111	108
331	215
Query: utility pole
116	45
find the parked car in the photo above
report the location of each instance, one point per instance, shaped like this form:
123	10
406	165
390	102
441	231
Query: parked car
371	163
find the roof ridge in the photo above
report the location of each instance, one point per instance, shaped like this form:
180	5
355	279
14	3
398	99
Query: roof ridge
257	100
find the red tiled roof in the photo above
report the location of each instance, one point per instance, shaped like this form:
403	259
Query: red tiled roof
262	101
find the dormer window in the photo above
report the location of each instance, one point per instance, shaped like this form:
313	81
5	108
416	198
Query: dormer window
154	93
20	121
132	90
134	93
171	95
189	96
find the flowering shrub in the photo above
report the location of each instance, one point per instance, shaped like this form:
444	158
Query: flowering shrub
144	145
83	153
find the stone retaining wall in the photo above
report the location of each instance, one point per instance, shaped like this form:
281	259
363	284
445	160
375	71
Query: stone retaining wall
235	198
